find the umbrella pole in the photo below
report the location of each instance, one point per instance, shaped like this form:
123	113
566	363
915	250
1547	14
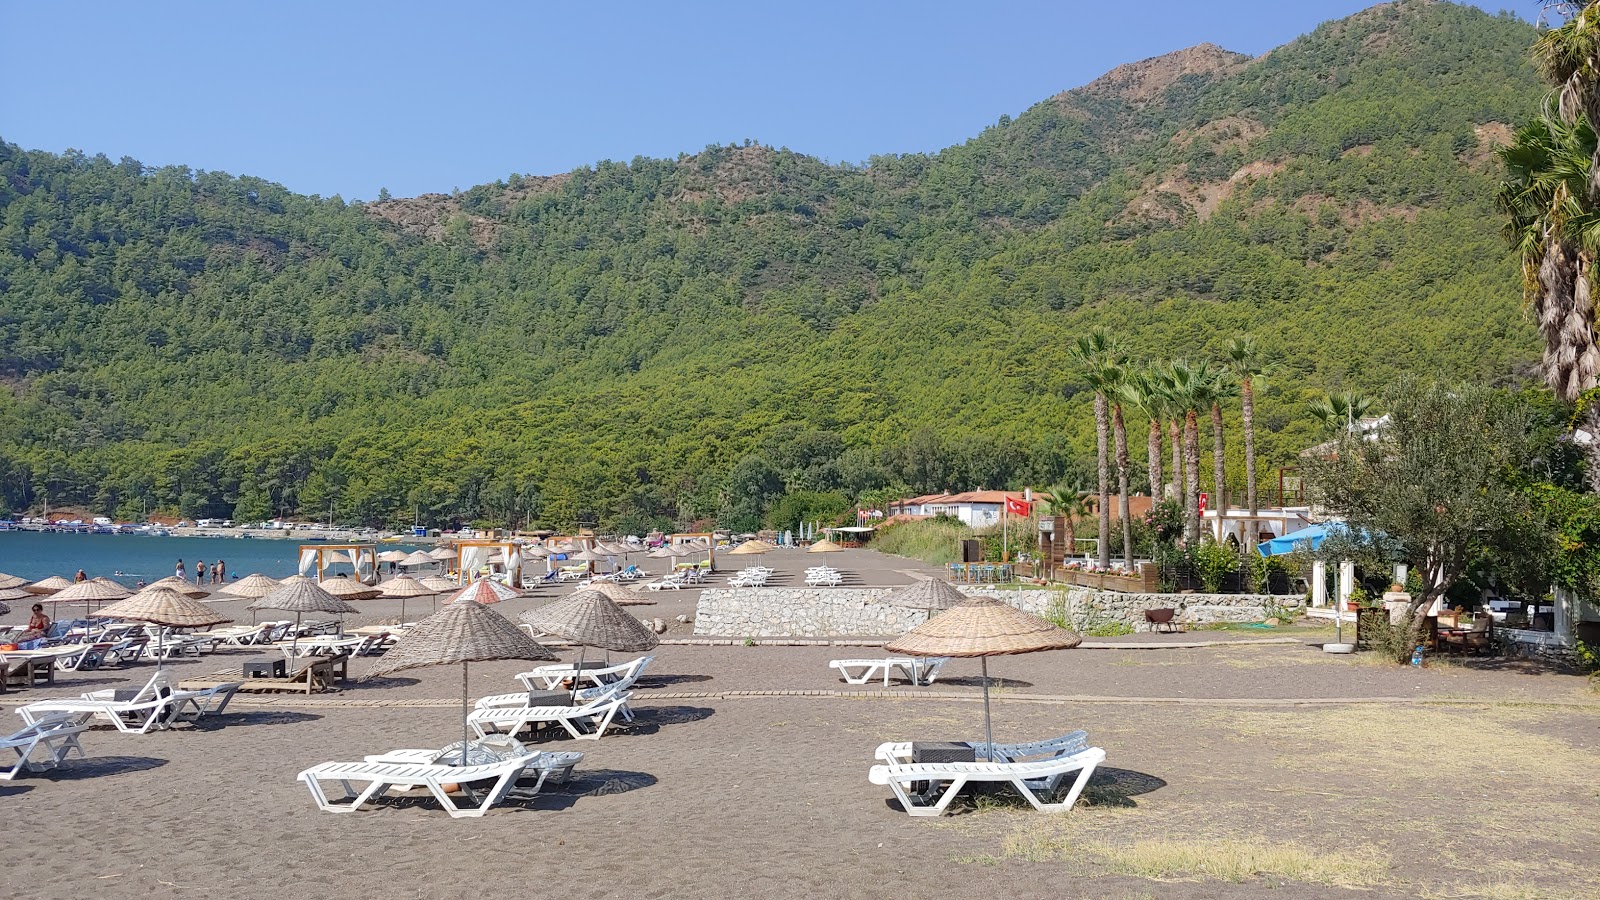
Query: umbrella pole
161	645
577	671
294	643
988	729
465	731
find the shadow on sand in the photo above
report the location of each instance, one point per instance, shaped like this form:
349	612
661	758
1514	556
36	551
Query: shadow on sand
101	766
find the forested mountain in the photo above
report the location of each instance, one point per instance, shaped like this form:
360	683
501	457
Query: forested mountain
672	340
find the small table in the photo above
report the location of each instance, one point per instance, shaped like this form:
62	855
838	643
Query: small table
265	668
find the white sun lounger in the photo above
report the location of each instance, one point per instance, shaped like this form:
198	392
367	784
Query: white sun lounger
152	707
585	723
1037	781
899	752
57	734
918	670
555	768
622	675
380	777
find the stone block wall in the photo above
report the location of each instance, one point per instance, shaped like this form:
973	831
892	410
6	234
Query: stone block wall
853	612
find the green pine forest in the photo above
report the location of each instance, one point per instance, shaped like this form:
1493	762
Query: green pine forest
749	334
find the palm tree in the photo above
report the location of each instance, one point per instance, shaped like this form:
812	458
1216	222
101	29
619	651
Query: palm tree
1116	378
1094	353
1189	391
1221	387
1142	391
1172	411
1340	412
1071	502
1244	360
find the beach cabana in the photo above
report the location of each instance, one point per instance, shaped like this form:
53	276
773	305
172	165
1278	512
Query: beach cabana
475	558
316	559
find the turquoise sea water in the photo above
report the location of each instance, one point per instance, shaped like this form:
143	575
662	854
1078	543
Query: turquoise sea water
35	555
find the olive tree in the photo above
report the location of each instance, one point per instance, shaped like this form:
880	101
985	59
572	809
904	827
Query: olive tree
1440	477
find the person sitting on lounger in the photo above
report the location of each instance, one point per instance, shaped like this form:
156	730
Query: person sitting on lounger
38	626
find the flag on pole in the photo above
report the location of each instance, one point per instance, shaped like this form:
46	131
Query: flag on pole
1017	506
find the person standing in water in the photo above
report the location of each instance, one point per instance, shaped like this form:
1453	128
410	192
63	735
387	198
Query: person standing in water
199	571
183	573
222	572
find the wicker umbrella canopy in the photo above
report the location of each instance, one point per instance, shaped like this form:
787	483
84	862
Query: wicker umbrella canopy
442	554
48	586
13	594
174	583
417	558
438	583
251	586
405	587
751	547
301	596
7	582
983	628
824	546
536	551
349	589
464	633
588	555
88	592
101	579
484	591
666	551
590	618
392	556
620	595
929	594
164	606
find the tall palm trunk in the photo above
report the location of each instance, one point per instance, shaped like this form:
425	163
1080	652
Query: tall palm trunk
1219	472
1174	434
1153	450
1247	401
1191	476
1103	552
1122	485
1070	523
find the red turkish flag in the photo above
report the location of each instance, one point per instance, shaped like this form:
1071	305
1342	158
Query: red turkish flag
1017	506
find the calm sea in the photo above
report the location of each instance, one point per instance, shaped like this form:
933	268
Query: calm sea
36	555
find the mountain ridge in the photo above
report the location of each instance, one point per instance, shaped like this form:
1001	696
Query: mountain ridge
619	339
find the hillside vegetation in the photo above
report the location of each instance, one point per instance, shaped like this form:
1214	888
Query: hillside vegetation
671	340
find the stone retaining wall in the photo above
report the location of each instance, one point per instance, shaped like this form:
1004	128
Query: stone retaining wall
853	612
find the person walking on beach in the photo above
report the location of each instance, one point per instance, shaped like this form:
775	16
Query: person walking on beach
183	574
199	571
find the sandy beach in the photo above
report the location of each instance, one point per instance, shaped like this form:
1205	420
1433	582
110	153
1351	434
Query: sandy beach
744	774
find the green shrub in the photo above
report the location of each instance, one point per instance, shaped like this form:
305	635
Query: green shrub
1212	563
936	541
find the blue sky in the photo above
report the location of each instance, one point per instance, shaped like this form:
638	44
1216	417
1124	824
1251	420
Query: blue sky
347	97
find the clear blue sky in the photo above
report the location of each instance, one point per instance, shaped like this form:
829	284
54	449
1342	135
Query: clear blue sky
347	97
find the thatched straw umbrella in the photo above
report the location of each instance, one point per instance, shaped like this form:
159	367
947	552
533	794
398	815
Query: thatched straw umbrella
620	595
251	586
442	554
417	558
348	589
462	633
824	546
300	596
405	587
89	592
165	607
590	619
7	582
174	583
485	591
46	586
751	547
14	594
928	594
983	628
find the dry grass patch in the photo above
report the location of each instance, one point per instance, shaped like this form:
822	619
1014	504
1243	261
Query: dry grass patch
1227	859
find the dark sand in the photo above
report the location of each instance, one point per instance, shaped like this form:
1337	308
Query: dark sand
1473	779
